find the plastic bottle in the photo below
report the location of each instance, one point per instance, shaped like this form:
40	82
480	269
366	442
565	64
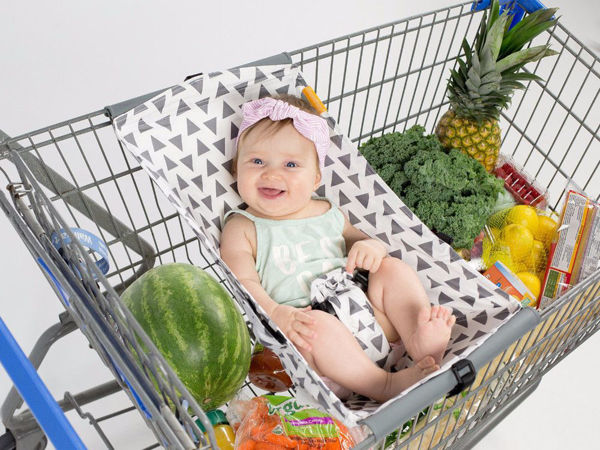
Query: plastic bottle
223	432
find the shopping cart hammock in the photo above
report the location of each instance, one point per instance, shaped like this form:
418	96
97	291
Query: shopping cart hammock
184	138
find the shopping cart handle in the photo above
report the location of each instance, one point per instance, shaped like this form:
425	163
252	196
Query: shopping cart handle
516	8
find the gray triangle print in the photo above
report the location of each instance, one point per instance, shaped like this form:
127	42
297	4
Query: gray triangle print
345	160
263	92
377	342
227	110
211	125
165	122
176	141
203	104
188	161
234	131
201	148
354	307
372	219
191	127
337	140
219	189
197	84
241	88
284	90
354	178
335	179
222	90
159	103
342	199
363	199
220	145
130	138
421	264
170	164
427	247
467	298
182	183
210	168
143	126
454	283
182	108
378	189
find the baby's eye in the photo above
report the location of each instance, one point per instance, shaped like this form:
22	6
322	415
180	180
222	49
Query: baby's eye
291	164
257	160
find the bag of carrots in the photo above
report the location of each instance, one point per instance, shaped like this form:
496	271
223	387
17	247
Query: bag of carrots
276	422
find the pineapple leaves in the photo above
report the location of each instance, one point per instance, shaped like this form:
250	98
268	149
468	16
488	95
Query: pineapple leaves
484	80
527	29
523	56
493	40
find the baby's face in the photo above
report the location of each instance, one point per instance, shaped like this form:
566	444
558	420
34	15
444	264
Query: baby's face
277	173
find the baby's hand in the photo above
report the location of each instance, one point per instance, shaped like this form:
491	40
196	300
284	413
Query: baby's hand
366	254
295	323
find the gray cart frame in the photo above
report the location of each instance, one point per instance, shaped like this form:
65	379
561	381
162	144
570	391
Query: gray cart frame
76	174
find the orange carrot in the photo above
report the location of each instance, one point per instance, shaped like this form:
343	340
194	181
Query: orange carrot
268	446
247	444
280	439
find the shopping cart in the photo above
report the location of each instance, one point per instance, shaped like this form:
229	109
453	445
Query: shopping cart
75	176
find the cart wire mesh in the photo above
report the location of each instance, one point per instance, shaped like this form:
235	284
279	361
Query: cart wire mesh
384	79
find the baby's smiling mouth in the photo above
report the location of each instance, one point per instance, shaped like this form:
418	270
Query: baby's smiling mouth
270	192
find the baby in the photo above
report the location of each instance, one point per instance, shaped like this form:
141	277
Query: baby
286	238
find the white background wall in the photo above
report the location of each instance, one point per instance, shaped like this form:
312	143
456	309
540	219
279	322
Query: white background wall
63	59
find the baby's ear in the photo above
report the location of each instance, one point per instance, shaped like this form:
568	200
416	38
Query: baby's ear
317	179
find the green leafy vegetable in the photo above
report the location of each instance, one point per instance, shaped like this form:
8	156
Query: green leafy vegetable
449	191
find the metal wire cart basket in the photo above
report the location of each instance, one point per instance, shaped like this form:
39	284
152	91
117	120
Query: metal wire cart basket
75	176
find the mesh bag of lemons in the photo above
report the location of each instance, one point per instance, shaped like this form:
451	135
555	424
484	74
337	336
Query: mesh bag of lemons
520	238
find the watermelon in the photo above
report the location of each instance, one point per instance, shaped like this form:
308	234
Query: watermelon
196	326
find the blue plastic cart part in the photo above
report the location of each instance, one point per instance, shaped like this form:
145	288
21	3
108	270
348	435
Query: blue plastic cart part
516	8
35	393
86	239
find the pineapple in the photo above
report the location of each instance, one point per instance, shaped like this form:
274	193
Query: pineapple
485	79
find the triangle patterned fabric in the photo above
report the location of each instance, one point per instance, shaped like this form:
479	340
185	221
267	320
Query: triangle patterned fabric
184	138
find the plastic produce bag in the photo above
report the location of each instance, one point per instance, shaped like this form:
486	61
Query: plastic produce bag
273	422
520	237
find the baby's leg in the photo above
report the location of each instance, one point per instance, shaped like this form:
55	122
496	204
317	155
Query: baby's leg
337	355
398	296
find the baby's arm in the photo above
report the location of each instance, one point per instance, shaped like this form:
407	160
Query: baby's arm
237	252
363	252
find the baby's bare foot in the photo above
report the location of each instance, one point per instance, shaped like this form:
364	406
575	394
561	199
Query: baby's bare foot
432	334
405	378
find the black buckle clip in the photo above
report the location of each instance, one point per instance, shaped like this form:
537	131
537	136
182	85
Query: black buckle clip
465	373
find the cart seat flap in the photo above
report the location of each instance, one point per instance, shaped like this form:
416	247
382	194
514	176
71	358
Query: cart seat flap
184	138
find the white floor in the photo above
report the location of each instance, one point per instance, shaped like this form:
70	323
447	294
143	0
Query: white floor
61	60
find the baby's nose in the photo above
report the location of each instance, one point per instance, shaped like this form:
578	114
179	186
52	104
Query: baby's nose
272	172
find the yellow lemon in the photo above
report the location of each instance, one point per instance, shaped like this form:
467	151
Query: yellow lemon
536	261
546	228
499	251
524	215
531	281
519	239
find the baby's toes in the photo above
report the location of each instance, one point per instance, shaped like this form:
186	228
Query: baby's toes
451	320
435	311
426	363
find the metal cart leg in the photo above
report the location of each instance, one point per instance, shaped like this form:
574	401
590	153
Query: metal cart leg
38	353
23	430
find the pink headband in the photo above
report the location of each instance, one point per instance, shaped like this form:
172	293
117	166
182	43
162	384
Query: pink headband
308	125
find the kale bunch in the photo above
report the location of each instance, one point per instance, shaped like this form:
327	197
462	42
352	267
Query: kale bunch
449	191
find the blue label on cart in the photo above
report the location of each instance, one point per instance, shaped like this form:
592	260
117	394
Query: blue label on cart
86	239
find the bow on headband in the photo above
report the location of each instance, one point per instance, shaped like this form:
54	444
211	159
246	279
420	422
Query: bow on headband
308	125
